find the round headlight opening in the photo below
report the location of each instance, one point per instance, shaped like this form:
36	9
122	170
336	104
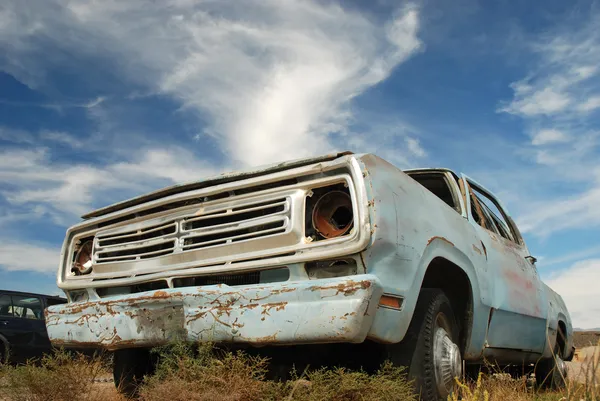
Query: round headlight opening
332	215
82	263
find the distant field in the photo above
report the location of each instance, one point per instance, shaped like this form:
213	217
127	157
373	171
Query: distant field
586	338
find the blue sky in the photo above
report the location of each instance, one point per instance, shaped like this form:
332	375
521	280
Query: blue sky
104	100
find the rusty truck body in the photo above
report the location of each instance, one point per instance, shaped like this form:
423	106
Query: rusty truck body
343	248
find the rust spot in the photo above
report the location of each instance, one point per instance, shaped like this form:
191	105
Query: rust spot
278	306
345	317
266	339
160	294
371	203
440	238
477	250
282	290
347	288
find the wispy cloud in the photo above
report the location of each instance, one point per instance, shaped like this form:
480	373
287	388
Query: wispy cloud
273	83
577	286
546	136
28	256
30	179
557	101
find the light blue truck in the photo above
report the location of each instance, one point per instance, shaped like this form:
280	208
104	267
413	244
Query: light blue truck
337	257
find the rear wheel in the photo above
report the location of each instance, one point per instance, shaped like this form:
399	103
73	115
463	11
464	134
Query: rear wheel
552	372
430	348
129	368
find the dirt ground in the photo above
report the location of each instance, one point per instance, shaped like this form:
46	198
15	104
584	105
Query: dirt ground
585	364
586	338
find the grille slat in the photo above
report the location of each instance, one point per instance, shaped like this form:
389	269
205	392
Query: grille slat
136	237
237	215
202	241
190	232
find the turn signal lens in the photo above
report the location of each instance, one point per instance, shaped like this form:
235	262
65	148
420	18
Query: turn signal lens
389	301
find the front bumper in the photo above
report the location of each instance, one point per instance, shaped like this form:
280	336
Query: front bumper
302	312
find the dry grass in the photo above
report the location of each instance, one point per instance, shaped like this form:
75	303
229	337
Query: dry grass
184	374
58	377
202	374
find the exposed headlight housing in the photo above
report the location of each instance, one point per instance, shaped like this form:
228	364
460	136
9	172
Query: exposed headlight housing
332	214
83	260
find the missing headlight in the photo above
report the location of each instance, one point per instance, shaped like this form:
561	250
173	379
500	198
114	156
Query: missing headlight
83	258
329	212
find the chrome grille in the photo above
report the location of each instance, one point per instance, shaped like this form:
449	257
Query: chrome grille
193	230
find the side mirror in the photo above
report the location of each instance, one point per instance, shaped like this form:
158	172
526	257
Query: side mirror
531	259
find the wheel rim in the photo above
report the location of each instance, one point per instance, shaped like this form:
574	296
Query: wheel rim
561	368
447	360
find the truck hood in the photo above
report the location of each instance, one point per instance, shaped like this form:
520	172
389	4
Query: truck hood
219	179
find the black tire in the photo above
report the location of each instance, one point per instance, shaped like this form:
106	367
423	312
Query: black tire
433	378
551	373
4	351
129	368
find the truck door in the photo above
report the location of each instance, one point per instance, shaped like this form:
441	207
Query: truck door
519	306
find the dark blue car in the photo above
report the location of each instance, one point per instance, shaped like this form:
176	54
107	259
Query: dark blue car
23	332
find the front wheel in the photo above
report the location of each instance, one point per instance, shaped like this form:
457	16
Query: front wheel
430	348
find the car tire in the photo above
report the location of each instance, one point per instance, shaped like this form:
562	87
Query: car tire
551	373
129	368
4	350
430	347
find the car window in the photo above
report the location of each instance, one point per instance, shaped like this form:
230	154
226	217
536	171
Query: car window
493	213
5	305
437	184
27	307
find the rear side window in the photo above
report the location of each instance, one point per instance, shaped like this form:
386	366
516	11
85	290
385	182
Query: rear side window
27	307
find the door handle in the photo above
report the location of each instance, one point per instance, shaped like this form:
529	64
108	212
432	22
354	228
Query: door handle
3	322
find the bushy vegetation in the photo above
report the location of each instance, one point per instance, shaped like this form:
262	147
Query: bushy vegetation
204	373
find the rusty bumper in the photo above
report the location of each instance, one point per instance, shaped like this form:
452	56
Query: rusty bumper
315	311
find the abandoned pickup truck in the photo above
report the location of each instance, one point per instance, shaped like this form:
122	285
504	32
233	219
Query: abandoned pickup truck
345	251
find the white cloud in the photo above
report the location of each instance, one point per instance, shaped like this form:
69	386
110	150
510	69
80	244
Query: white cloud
555	100
24	256
556	214
547	136
414	147
65	191
578	287
566	80
62	137
592	103
274	81
531	102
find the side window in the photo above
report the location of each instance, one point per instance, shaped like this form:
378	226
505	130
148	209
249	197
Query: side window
27	307
437	184
495	218
480	214
5	306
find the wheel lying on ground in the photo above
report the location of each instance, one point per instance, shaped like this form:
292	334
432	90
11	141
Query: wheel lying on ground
430	348
129	368
552	372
